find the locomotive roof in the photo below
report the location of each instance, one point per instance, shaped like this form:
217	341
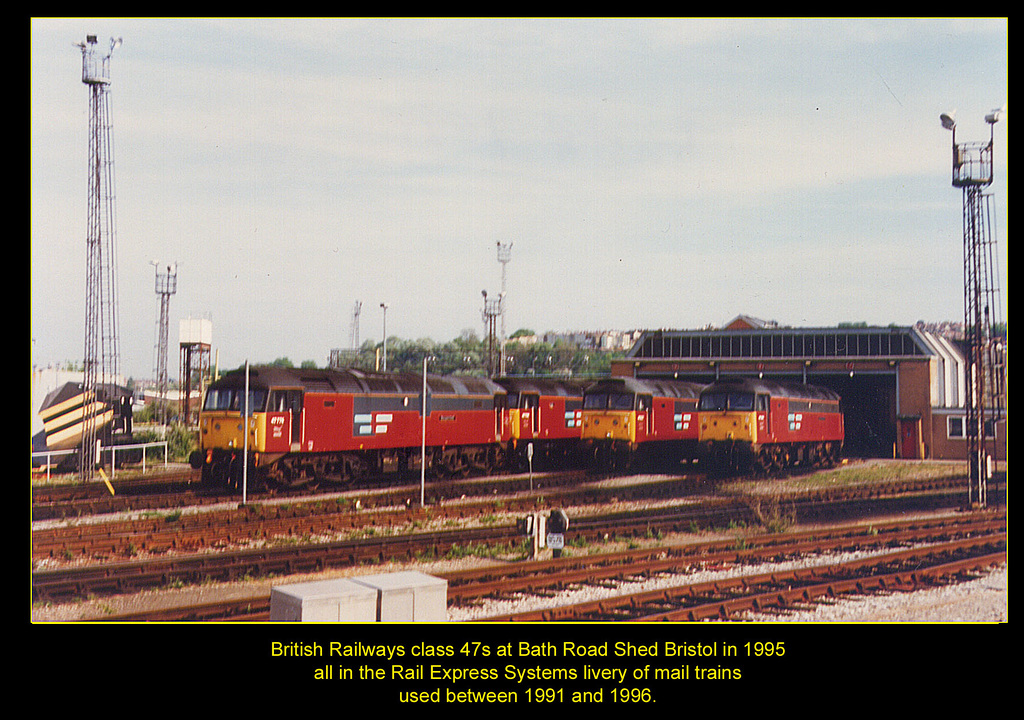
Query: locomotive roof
544	386
352	380
661	388
776	388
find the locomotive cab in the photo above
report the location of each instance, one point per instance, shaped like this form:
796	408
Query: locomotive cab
222	431
544	421
732	422
612	415
284	415
741	416
628	420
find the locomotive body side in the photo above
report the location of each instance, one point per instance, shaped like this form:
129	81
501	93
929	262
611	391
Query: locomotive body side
766	426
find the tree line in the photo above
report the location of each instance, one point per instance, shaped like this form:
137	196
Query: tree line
469	354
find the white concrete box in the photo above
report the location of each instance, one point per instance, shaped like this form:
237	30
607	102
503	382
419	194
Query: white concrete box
408	596
338	600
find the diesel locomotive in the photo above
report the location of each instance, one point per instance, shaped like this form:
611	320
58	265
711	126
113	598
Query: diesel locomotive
309	426
766	426
628	422
546	418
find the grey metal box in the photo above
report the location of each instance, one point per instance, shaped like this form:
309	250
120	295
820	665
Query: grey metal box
338	600
408	596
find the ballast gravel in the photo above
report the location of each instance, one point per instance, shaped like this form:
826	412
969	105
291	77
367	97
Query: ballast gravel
980	600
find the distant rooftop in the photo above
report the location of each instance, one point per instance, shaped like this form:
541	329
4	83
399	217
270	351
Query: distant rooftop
745	339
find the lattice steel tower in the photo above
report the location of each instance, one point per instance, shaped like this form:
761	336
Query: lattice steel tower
166	286
504	257
102	352
972	171
491	310
354	326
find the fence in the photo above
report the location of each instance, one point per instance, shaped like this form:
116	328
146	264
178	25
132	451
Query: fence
111	449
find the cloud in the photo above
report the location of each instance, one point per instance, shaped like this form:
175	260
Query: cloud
294	166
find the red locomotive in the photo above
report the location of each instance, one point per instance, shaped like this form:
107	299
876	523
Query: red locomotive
546	420
766	426
308	426
626	420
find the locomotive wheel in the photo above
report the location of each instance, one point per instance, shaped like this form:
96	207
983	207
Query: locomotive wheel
215	475
458	465
783	459
479	461
764	462
355	468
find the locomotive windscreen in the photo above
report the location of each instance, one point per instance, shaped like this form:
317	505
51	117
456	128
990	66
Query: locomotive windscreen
726	401
608	401
231	399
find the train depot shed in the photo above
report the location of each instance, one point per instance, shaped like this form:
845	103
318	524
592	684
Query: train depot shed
902	387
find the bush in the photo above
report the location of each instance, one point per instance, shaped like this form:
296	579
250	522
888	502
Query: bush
181	441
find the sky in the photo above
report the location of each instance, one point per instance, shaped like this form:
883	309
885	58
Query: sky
648	173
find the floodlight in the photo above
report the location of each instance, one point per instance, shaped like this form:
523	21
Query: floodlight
948	120
995	116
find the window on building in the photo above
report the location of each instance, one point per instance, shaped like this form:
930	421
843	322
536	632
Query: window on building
956	428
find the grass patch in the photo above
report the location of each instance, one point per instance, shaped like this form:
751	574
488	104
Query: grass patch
501	551
852	474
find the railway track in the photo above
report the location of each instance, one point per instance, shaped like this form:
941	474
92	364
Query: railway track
969	539
308	534
348	513
392	508
182	489
900	570
304	555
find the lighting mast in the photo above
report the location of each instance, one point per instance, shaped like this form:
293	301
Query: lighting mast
504	257
166	286
102	353
972	171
